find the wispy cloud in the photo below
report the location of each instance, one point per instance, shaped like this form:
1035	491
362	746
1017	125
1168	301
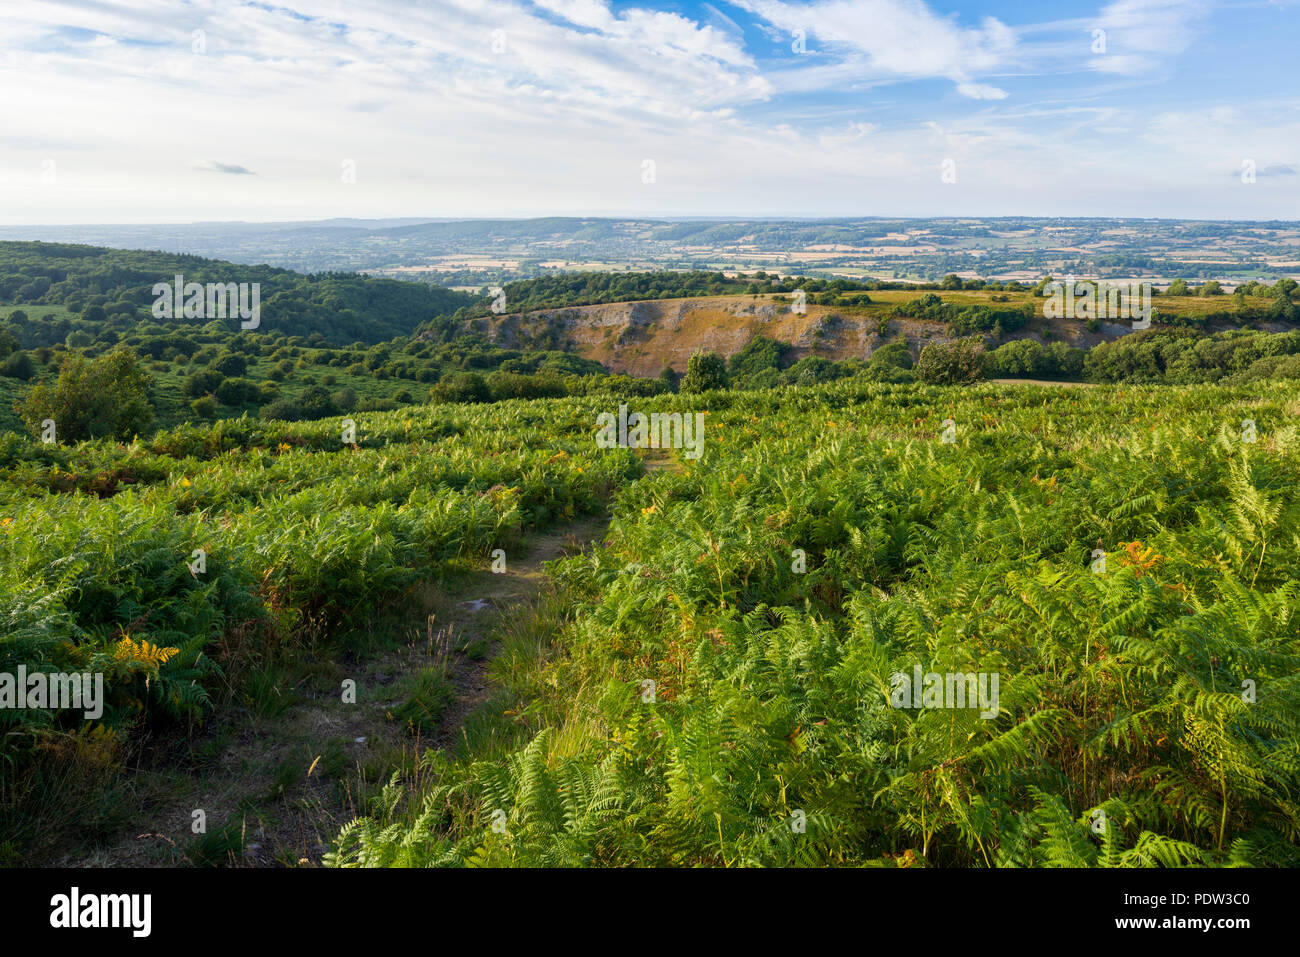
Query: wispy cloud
212	166
501	107
899	38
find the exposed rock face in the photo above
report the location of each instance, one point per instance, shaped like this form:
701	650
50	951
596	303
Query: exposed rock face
640	338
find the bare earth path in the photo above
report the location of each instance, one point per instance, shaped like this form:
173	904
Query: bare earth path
274	788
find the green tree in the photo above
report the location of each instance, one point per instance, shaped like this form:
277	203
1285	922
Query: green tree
201	383
894	354
462	387
19	365
952	363
758	354
204	408
705	371
236	392
316	403
231	364
345	398
106	397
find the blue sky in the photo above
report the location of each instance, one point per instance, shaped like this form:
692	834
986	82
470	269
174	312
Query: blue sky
180	110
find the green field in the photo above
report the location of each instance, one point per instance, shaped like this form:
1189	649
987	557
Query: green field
769	592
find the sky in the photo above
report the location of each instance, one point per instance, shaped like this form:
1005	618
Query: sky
153	111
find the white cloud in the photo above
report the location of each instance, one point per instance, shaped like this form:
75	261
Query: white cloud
560	117
981	91
898	38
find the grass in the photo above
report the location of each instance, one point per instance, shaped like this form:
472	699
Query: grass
220	847
424	697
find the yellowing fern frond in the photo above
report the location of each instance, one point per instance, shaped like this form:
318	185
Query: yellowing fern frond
142	652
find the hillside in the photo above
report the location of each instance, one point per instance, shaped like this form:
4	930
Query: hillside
59	288
642	338
1109	564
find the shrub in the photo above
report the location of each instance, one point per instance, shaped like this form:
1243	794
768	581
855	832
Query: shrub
705	371
894	354
284	409
204	408
952	363
201	383
230	364
17	365
106	397
461	387
345	398
239	392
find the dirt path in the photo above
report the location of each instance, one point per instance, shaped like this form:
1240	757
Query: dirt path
481	612
275	787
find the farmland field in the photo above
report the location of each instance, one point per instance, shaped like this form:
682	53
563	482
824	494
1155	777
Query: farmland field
715	682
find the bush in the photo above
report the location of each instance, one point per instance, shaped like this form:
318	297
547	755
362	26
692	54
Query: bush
106	397
18	365
952	363
705	371
895	354
763	379
201	383
887	373
511	385
204	408
758	354
284	409
345	398
231	364
317	403
376	405
1021	357
237	392
812	369
461	387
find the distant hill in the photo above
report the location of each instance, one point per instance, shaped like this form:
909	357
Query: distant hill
476	252
339	307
